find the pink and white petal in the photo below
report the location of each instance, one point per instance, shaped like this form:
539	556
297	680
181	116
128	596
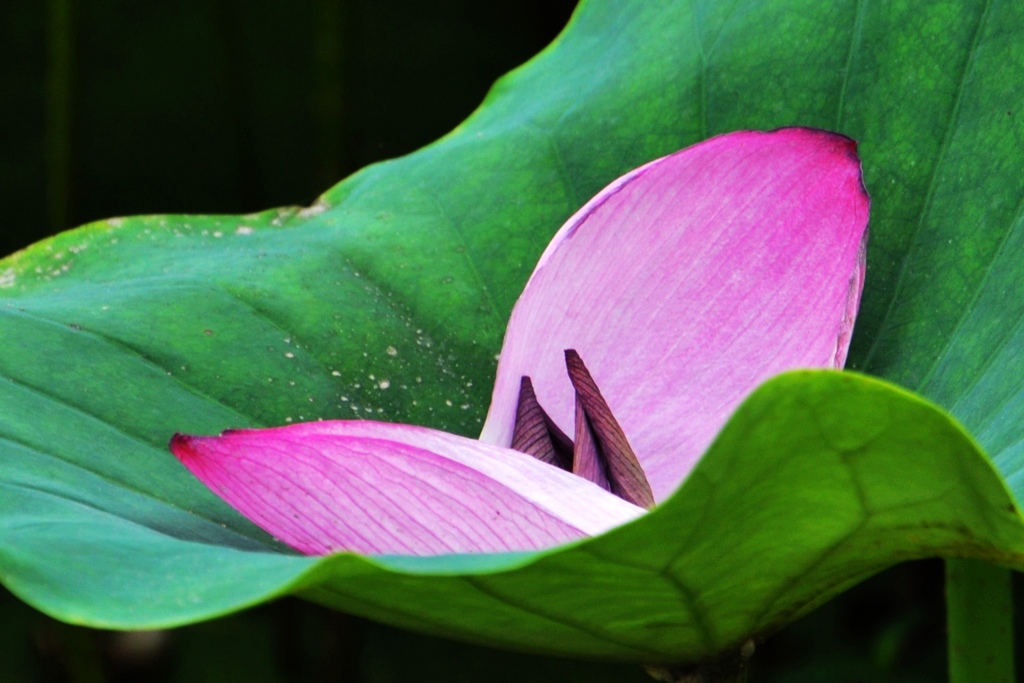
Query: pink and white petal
377	488
689	281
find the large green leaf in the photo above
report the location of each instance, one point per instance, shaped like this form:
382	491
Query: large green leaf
388	299
818	481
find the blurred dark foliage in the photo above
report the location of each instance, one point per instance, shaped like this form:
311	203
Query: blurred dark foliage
115	107
195	106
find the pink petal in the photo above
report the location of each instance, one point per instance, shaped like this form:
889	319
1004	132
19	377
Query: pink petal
369	487
686	283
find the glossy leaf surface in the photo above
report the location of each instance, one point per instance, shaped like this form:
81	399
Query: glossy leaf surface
388	299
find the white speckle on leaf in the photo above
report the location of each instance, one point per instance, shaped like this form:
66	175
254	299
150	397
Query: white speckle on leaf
392	351
315	209
7	278
384	383
244	230
335	373
289	354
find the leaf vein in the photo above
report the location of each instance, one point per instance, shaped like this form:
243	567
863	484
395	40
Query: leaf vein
933	181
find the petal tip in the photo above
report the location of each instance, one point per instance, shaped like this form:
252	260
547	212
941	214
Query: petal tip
840	144
839	141
186	447
181	445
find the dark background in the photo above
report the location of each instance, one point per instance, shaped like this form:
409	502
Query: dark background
117	107
113	107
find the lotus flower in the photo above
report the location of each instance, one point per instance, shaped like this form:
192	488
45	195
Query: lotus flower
654	311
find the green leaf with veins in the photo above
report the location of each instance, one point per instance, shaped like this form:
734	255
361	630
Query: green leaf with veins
388	299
